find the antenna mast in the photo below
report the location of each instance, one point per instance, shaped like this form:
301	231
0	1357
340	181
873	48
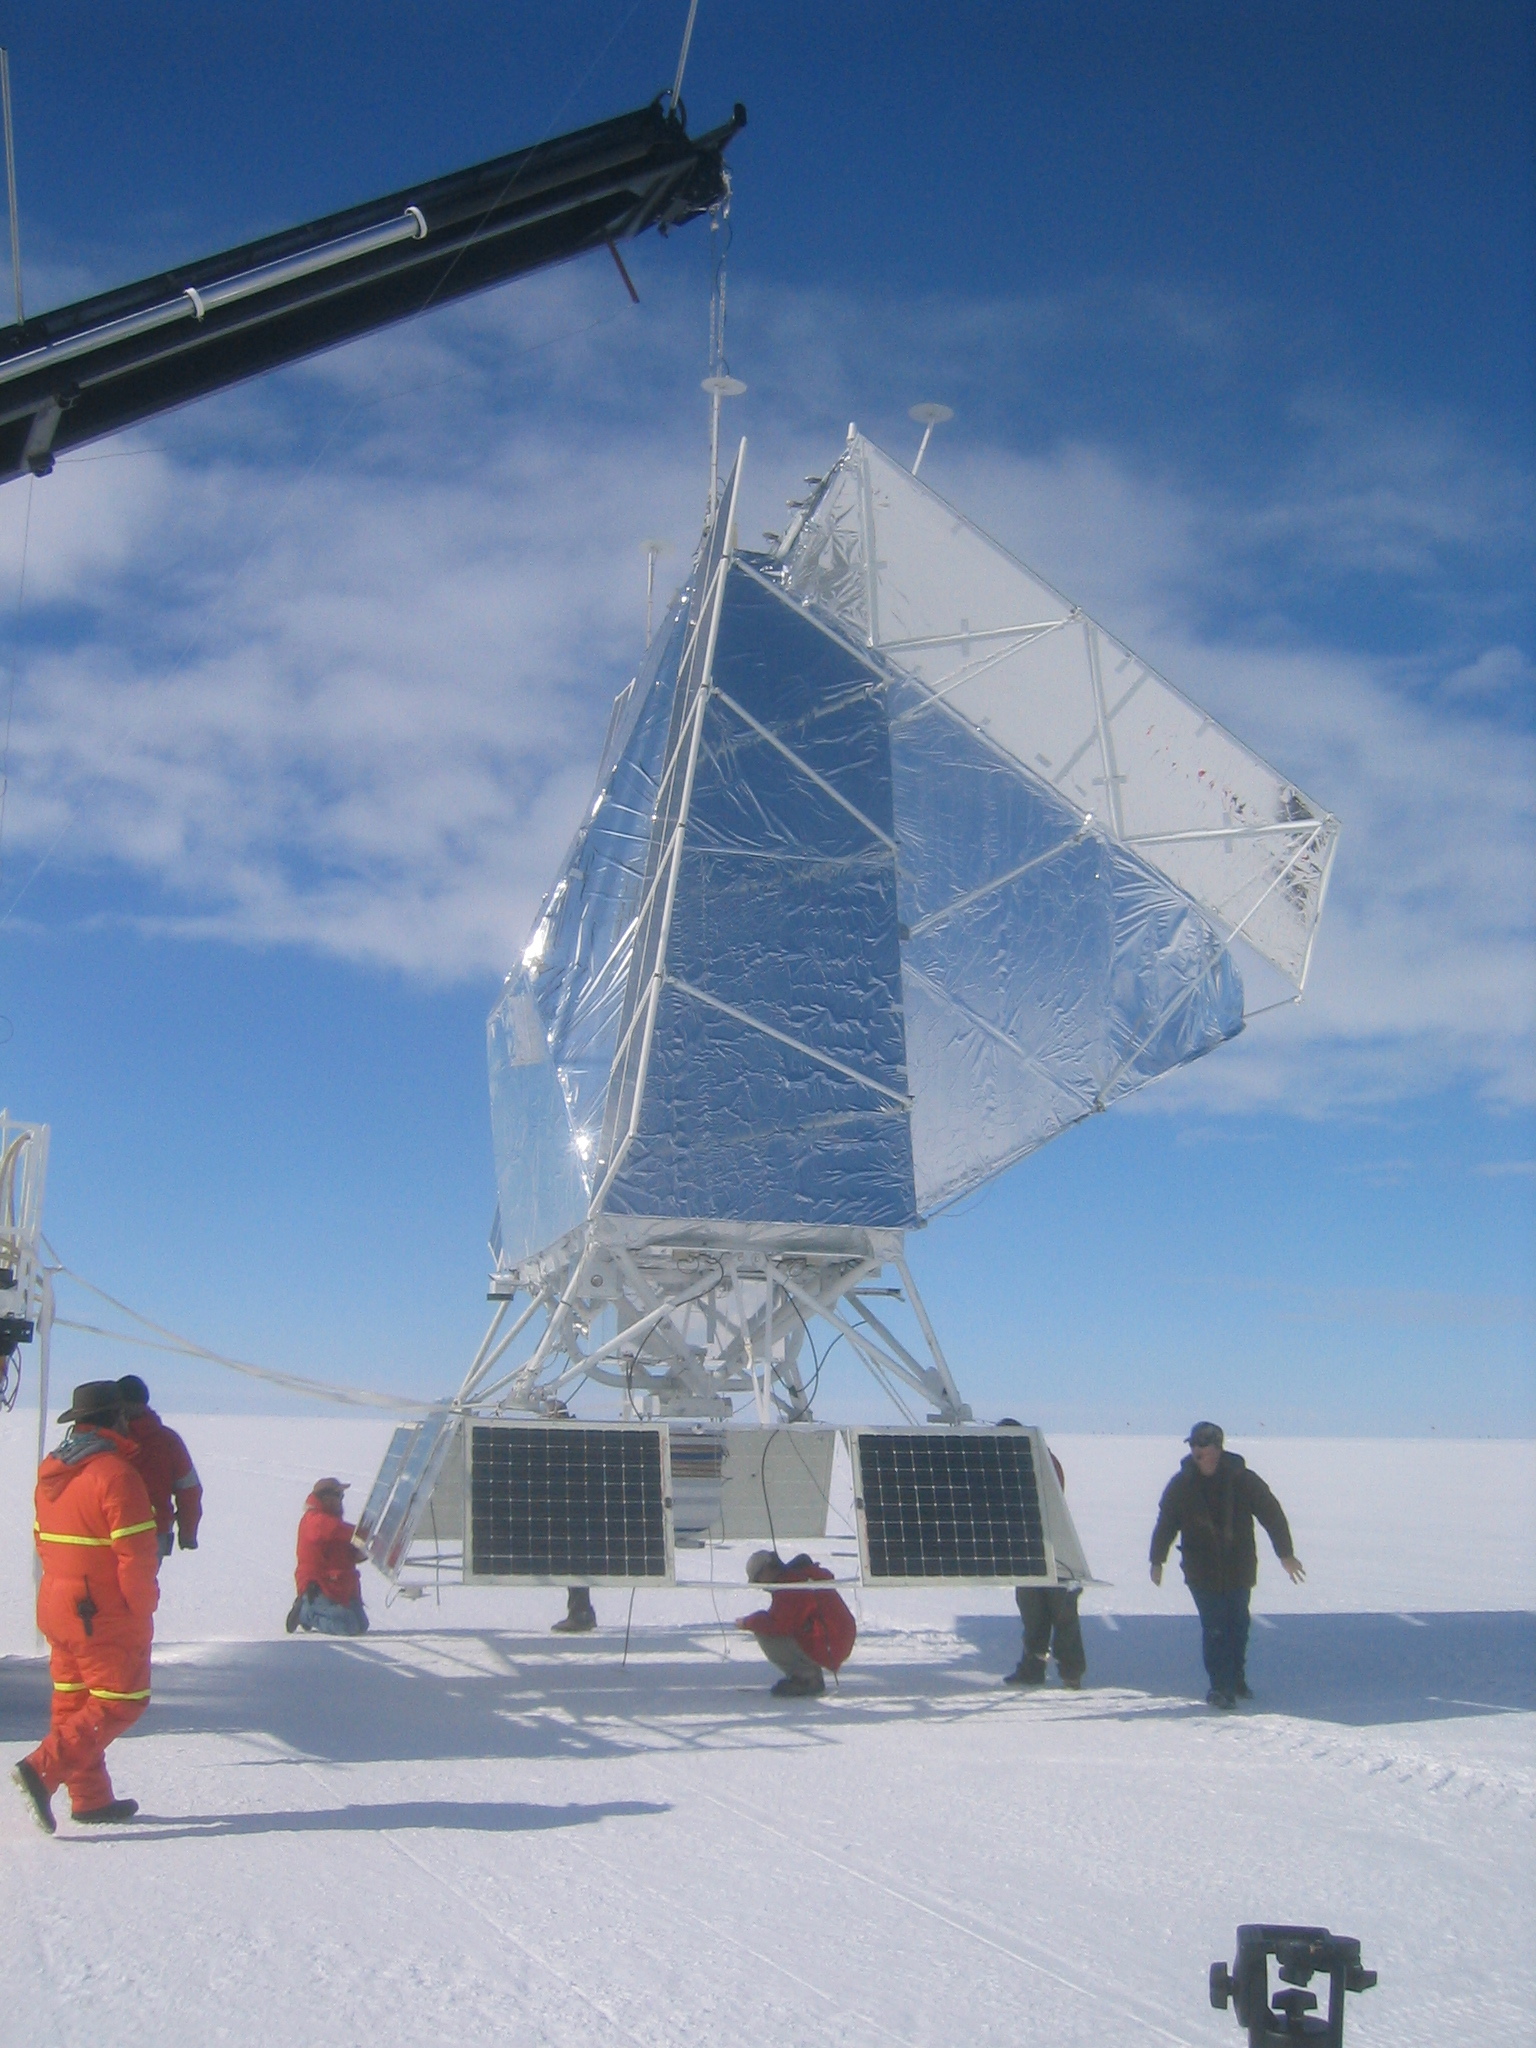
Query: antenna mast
719	383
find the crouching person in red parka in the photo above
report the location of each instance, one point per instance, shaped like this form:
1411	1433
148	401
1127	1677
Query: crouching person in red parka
330	1591
804	1633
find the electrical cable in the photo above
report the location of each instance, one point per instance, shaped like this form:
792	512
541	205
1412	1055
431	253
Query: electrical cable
725	1641
686	1302
624	1660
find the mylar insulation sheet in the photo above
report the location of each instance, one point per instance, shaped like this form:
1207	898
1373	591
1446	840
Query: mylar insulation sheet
897	866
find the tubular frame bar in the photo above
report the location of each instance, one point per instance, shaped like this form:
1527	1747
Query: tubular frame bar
496	220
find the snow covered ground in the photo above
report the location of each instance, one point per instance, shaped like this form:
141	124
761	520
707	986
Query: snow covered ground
462	1829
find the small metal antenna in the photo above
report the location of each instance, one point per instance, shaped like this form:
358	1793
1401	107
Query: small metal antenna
719	383
10	181
928	417
682	57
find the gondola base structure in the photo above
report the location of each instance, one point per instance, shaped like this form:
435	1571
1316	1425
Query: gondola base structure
490	1500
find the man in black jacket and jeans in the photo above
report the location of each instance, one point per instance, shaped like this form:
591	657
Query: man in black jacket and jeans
1211	1503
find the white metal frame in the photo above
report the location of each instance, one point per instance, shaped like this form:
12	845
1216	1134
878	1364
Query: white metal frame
28	1291
690	1319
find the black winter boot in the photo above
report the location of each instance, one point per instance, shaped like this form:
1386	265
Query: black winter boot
37	1796
104	1816
580	1617
1029	1671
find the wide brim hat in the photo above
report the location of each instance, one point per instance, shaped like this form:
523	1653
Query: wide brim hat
94	1397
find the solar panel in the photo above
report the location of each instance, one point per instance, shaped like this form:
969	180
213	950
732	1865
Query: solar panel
568	1504
948	1504
378	1498
418	1454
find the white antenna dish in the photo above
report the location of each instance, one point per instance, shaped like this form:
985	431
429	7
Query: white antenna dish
928	417
723	387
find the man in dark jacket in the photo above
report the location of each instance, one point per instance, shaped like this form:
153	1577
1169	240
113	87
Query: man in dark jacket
1211	1504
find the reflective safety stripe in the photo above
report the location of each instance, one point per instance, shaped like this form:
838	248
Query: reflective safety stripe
85	1542
98	1693
133	1529
59	1685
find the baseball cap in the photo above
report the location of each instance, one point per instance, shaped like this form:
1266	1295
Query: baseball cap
1204	1434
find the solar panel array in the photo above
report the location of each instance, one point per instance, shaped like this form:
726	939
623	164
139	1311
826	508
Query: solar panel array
568	1504
949	1504
416	1456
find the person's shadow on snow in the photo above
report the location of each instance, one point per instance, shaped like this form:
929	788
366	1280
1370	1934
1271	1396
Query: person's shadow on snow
488	1817
1354	1670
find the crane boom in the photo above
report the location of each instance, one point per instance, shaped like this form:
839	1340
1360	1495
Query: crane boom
87	370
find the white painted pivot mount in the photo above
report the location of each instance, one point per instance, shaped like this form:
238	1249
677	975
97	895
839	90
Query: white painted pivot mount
928	417
690	1319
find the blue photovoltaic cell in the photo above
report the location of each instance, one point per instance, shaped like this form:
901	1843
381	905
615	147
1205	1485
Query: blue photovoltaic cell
950	1505
566	1503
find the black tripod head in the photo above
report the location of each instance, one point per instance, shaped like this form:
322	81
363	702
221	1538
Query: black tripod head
1291	2015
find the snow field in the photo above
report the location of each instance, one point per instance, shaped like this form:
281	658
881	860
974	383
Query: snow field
462	1829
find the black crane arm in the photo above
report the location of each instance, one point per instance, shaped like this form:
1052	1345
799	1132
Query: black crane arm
83	371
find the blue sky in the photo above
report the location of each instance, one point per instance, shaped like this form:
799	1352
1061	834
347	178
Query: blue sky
1234	306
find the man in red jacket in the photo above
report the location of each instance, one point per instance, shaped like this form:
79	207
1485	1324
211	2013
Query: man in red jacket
804	1633
330	1591
166	1468
95	1534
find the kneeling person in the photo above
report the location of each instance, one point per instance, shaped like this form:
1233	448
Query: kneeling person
804	1633
330	1591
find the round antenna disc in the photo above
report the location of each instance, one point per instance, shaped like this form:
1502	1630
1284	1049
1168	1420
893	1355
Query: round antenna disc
931	415
725	387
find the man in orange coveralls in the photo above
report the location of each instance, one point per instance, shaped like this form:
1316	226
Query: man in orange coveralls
166	1468
803	1633
330	1591
96	1537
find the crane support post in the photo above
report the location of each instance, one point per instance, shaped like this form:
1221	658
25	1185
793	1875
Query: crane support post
124	356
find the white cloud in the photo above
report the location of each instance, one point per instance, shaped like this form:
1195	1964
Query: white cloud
1498	672
331	669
